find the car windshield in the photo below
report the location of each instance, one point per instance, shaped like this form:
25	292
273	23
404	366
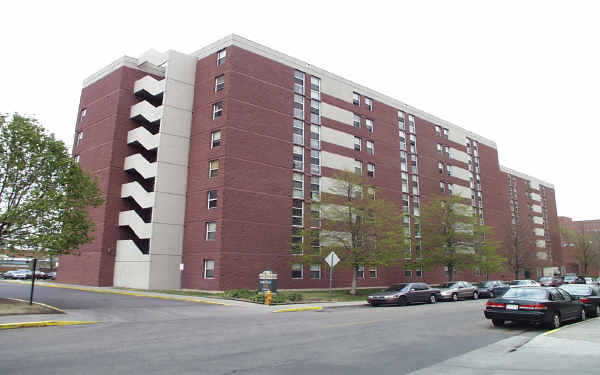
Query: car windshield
570	278
449	285
519	282
485	284
396	288
545	279
579	290
526	293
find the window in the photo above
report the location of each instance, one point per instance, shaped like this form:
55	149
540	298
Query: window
299	82
76	158
298	158
404	182
413	163
298	133
297	241
450	187
407	273
357	143
442	187
358	167
413	143
315	271
298	185
405	202
445	133
297	212
370	169
440	167
297	271
299	106
221	57
215	139
417	230
315	112
449	169
419	272
217	110
439	148
416	201
315	88
373	273
82	115
356	121
209	269
219	83
355	99
211	231
370	148
468	147
415	185
417	246
400	120
315	187
79	138
315	215
369	125
371	192
438	131
447	150
470	165
402	142
315	137
369	103
213	168
411	123
360	272
315	161
212	199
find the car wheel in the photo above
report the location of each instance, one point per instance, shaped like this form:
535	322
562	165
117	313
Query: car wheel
402	301
555	321
497	322
475	295
454	297
582	315
432	299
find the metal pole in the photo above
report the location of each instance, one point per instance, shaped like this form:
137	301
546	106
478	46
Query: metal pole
32	281
330	280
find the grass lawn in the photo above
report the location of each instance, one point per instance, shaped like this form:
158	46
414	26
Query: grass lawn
338	295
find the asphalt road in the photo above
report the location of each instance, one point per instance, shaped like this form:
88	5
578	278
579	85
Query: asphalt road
150	336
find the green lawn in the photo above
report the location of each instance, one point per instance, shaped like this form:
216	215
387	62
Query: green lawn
338	295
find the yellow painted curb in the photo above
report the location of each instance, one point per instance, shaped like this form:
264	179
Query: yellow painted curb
41	304
46	323
550	332
300	309
109	291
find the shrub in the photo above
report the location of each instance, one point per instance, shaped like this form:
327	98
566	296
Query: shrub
239	293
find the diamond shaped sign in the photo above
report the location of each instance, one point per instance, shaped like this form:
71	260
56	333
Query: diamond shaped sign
332	259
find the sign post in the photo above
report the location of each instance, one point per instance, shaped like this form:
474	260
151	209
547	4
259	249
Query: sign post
32	280
332	260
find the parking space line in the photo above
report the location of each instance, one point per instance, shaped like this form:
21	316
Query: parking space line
46	323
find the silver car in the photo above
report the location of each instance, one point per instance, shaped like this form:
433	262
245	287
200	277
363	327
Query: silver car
457	290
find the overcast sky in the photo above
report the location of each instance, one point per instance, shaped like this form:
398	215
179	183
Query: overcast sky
525	74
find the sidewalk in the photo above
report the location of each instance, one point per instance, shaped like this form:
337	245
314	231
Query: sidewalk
572	349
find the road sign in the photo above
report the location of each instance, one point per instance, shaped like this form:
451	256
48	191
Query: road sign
332	259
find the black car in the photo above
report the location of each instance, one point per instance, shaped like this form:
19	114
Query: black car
403	294
574	279
589	295
535	305
491	288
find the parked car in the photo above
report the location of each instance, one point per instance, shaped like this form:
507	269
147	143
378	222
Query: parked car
589	295
514	284
590	281
21	274
535	305
51	275
550	281
403	294
8	274
574	279
491	288
458	290
40	275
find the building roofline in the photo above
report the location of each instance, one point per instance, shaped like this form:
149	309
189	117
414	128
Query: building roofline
526	177
128	61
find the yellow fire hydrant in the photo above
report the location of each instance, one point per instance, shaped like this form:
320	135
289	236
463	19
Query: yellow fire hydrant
268	297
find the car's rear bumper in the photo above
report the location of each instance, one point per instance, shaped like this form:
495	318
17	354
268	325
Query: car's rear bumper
518	315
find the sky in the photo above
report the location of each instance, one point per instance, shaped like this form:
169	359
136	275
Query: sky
525	74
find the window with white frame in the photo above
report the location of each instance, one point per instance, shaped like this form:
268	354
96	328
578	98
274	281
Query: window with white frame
438	131
315	271
445	133
449	169
406	224
439	148
356	120
299	106
370	148
315	215
419	272
298	158
215	139
415	186
442	187
315	88
405	202
371	193
358	167
402	141
417	229
440	167
315	161
315	112
209	269
417	252
414	164
404	182
297	271
212	199
411	123
369	103
400	120
450	187
217	110
315	137
357	143
447	150
297	241
373	273
82	115
355	99
413	143
213	168
298	185
360	272
79	138
221	57
220	83
369	125
315	187
76	158
297	212
211	230
298	132
370	169
299	82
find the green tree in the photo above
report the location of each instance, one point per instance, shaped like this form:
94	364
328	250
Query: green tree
486	257
519	249
44	194
362	230
447	234
584	247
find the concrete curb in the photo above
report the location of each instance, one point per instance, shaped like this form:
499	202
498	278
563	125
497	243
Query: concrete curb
112	291
41	304
46	323
293	309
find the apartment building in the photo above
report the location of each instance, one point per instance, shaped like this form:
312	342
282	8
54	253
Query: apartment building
571	257
210	162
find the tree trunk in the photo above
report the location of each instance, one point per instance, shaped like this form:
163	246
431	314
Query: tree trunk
450	273
353	290
516	274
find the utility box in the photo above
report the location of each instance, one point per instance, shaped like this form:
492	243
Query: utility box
267	280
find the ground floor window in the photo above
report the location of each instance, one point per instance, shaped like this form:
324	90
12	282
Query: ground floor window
315	271
360	272
373	273
209	269
297	271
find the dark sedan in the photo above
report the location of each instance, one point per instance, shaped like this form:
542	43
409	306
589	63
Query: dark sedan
403	294
551	281
491	288
589	295
535	305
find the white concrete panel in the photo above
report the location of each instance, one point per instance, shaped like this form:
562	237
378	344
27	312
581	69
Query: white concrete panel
536	197
337	137
173	150
465	209
178	95
170	178
146	110
337	114
141	165
337	88
176	122
457	135
461	173
534	182
536	208
541	255
134	221
181	67
335	161
144	199
540	243
132	275
538	220
153	57
459	155
534	185
148	140
462	191
150	85
169	209
127	251
167	239
331	238
164	272
538	232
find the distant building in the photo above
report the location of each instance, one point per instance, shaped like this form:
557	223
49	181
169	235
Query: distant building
586	227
